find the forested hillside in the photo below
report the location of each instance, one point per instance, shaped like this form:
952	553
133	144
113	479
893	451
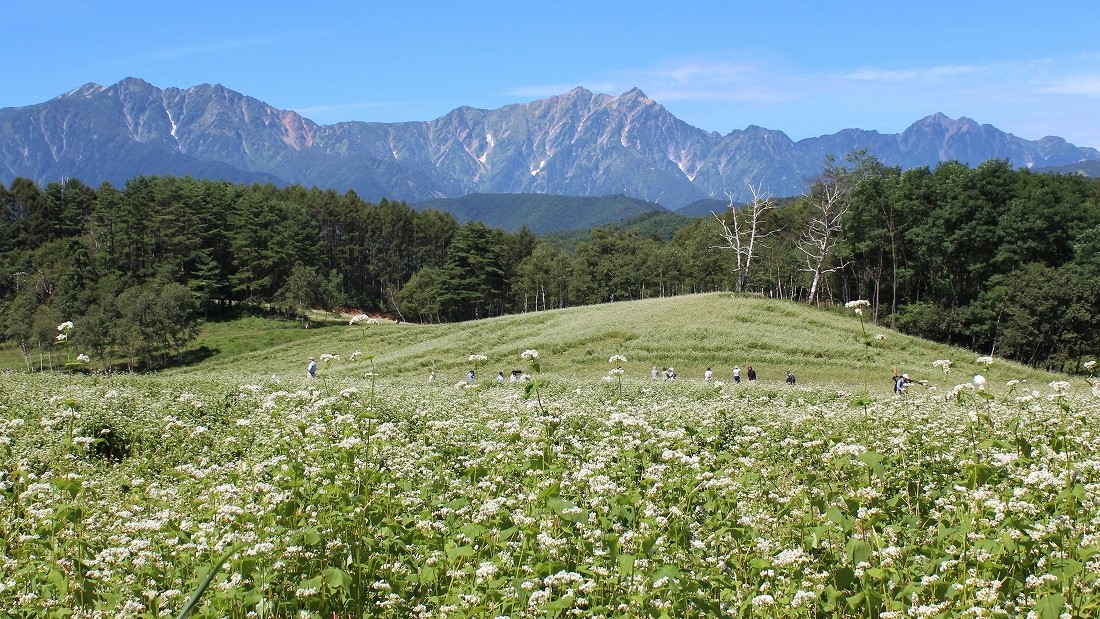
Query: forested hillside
988	257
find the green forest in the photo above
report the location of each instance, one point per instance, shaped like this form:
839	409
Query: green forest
994	258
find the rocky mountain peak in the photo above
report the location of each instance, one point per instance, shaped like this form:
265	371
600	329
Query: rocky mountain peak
577	143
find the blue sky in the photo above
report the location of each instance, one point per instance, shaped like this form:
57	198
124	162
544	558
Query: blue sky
806	69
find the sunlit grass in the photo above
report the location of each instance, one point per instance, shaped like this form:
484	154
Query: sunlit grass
689	333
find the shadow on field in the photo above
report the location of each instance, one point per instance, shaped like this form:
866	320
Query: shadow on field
195	355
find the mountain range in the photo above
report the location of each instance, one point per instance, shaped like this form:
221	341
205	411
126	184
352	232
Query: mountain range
578	143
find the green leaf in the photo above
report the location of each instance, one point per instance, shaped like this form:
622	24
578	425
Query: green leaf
857	551
1065	569
626	565
194	601
310	537
454	552
1051	606
871	458
336	578
839	517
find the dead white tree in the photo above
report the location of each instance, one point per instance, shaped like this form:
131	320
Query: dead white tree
823	230
742	231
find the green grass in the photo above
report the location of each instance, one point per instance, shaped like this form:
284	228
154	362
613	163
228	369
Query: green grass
690	333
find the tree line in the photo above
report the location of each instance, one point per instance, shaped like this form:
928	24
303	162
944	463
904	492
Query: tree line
992	258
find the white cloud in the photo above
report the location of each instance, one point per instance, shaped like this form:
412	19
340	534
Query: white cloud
209	47
921	74
1080	85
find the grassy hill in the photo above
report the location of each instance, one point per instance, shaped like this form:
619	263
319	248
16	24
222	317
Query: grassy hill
689	333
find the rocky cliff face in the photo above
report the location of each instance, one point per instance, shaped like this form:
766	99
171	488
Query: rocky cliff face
578	143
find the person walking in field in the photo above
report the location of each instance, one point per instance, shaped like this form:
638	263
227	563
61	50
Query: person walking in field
790	378
751	373
737	374
311	368
708	375
653	373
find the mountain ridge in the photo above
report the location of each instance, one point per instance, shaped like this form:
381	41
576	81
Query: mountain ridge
579	143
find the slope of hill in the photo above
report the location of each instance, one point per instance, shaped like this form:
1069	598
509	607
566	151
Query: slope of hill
661	225
578	143
1087	168
703	208
690	333
541	213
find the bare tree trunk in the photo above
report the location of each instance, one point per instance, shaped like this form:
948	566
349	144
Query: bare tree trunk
817	243
741	238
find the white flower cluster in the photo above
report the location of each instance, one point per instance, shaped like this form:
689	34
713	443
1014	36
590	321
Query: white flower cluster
478	358
617	359
858	305
985	360
83	358
330	357
358	318
64	329
944	364
1060	386
1090	365
530	355
880	337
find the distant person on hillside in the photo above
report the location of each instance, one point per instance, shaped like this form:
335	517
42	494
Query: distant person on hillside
470	376
654	374
790	378
708	374
500	376
431	377
311	368
736	373
751	373
901	383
